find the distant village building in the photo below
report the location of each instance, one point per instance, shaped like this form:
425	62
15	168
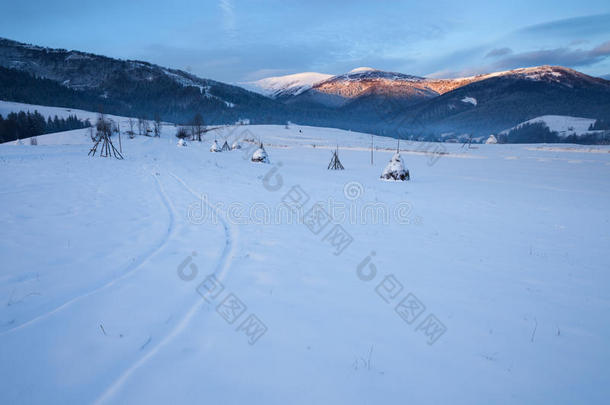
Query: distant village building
243	121
491	140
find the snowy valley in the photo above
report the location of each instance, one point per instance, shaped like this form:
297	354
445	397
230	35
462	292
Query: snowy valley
179	275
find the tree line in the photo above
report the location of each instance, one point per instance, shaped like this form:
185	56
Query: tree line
26	125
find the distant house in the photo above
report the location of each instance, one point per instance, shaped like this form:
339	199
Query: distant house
243	121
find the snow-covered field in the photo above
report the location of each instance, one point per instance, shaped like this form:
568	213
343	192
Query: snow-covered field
562	124
484	279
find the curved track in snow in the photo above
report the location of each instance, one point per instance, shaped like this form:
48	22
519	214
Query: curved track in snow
222	265
131	269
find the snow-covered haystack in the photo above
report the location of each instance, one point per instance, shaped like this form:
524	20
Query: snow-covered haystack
236	145
225	147
215	147
181	142
260	155
491	140
395	170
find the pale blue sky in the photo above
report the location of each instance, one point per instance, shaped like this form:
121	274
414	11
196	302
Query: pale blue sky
238	40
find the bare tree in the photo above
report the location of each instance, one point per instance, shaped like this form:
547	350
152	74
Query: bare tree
197	127
131	123
182	133
141	128
157	125
103	126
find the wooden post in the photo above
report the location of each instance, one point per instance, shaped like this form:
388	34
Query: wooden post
120	145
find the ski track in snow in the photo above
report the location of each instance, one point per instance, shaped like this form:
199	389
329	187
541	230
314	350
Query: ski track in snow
131	269
221	269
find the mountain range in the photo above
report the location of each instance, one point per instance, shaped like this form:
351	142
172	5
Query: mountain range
364	99
127	87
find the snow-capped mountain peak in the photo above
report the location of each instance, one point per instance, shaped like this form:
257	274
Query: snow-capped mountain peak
536	73
362	69
288	85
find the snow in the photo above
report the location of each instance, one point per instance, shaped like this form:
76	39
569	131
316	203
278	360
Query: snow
362	70
215	147
562	124
470	100
492	140
294	84
395	170
260	155
77	56
537	73
505	244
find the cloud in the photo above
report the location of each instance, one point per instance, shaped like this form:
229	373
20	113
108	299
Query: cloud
577	27
228	13
497	52
563	56
264	73
231	64
578	42
452	74
602	50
